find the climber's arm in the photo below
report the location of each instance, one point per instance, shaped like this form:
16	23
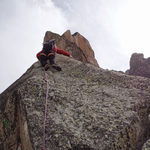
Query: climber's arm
60	51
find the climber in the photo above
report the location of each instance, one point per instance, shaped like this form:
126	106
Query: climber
48	53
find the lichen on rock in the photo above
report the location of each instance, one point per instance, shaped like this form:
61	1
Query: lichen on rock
89	108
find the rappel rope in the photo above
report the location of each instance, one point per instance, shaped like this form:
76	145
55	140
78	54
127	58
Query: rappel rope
44	122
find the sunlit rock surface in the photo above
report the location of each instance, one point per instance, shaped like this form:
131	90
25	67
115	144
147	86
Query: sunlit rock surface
77	45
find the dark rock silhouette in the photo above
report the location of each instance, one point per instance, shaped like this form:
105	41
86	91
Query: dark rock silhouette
139	66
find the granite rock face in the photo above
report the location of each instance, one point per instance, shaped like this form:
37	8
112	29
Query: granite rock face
77	45
89	108
139	66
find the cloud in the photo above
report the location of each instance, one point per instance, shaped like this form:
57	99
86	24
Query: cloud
22	31
115	30
96	21
132	27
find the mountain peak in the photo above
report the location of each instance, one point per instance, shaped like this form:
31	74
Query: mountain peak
77	45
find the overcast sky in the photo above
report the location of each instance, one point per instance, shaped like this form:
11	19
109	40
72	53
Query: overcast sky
114	28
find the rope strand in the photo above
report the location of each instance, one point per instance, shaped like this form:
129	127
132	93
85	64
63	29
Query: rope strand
44	122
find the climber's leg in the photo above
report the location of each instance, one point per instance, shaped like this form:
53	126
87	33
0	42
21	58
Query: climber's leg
51	58
43	60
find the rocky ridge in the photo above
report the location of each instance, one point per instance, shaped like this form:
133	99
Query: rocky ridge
89	108
77	45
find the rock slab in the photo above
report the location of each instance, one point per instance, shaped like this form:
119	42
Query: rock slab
89	108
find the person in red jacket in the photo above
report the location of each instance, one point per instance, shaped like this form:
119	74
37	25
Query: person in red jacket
48	53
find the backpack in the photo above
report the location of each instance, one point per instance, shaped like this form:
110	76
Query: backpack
48	46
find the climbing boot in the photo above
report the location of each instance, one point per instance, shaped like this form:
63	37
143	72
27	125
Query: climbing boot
56	67
46	67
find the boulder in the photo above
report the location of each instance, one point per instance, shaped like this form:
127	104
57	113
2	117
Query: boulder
88	108
139	66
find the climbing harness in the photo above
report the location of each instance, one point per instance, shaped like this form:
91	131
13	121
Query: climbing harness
44	122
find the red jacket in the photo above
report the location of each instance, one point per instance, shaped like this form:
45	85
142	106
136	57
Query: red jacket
55	49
